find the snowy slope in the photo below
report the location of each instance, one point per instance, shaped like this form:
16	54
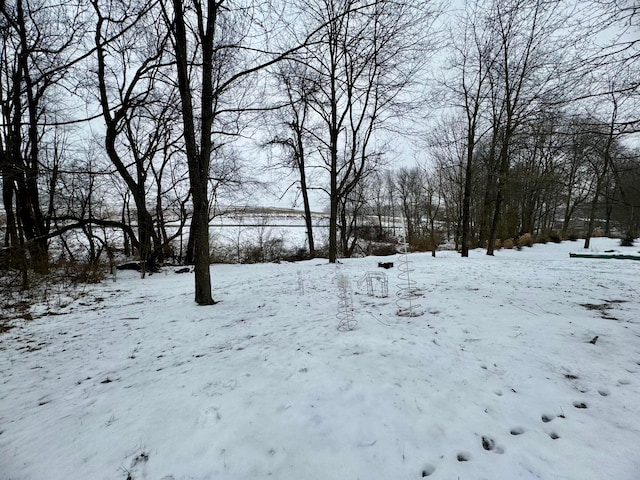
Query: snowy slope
497	380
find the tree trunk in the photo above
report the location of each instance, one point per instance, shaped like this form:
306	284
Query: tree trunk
466	201
197	159
308	220
200	233
592	216
334	197
501	183
333	222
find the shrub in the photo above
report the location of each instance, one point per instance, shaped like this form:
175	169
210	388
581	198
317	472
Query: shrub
271	250
382	249
573	237
554	237
424	244
296	255
627	240
525	240
372	233
497	245
251	254
597	232
508	243
84	272
322	251
541	238
420	244
223	254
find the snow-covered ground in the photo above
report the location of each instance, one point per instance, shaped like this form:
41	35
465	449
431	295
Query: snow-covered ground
501	378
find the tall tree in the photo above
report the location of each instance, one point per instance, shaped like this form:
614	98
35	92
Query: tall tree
38	44
135	116
475	51
367	57
528	74
217	46
295	130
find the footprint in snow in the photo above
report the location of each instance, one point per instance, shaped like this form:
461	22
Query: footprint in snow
547	418
580	405
427	470
489	445
517	431
604	392
463	456
209	417
554	435
624	381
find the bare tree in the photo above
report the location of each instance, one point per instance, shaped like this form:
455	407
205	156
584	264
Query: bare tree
366	58
409	182
295	124
607	135
38	44
575	172
447	149
136	117
216	46
528	74
476	51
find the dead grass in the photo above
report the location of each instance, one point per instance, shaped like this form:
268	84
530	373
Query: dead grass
525	240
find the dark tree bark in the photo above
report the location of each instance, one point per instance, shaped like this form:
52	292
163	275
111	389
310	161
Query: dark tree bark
367	57
298	87
23	109
133	164
198	150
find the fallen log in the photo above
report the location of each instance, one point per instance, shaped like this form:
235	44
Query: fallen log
619	256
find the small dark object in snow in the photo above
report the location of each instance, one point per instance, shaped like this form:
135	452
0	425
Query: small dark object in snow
106	380
385	264
462	457
183	270
570	376
129	266
610	251
593	340
143	457
427	470
488	443
137	266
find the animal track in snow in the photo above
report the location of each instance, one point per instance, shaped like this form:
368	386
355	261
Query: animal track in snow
604	392
517	431
463	456
581	405
427	470
624	381
489	444
210	417
554	435
547	418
